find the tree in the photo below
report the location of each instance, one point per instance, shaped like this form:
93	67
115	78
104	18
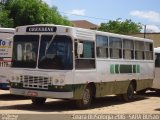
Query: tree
121	27
5	21
28	12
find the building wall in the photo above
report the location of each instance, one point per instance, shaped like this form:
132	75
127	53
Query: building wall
154	36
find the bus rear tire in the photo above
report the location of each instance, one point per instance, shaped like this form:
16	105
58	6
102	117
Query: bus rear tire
129	96
38	101
86	100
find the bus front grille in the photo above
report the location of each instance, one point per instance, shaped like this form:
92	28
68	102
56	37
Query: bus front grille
38	82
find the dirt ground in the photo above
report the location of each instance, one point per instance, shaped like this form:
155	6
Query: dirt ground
148	103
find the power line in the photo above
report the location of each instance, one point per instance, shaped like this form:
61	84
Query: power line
92	17
85	16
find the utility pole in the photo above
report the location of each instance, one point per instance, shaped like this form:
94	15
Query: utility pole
144	31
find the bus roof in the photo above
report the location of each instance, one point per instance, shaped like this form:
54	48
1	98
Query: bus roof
123	36
91	31
157	50
7	30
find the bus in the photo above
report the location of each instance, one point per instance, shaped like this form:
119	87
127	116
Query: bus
156	81
6	35
61	62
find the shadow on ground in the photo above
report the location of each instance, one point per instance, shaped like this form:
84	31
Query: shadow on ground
68	105
158	109
151	94
10	97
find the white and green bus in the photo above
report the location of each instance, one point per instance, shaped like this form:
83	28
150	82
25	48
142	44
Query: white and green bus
53	61
6	39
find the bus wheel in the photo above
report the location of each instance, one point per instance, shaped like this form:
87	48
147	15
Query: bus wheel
85	102
129	96
38	101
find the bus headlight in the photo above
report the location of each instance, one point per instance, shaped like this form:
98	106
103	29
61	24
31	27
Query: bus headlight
12	78
15	79
61	81
58	81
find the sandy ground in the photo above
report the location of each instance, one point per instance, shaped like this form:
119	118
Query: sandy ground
148	103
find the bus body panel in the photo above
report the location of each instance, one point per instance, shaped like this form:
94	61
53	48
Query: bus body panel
6	35
46	94
156	81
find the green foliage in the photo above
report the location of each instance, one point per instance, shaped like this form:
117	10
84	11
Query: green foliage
4	20
28	12
121	27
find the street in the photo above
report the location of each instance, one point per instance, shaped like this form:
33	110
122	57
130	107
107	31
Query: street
148	103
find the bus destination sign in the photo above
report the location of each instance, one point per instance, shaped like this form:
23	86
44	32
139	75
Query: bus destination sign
41	29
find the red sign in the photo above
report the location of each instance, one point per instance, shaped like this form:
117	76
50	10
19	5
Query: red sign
32	93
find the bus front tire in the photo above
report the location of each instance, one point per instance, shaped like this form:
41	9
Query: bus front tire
38	101
85	102
129	96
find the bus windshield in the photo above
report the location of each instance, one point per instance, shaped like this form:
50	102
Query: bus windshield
25	51
55	52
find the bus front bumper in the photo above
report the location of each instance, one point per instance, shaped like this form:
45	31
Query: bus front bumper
45	94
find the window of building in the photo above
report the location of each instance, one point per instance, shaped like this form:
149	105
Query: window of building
139	50
128	49
87	59
102	46
115	45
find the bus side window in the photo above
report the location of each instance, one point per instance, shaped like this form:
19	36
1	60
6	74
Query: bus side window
139	50
87	59
115	45
148	51
128	49
102	46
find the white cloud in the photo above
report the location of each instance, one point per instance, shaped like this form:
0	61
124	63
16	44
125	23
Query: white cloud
149	15
77	12
49	2
152	28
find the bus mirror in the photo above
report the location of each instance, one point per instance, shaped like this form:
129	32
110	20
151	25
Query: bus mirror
80	48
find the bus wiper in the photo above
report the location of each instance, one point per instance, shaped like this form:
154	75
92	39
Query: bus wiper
48	44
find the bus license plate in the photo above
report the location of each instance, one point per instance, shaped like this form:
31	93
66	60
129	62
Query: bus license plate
32	93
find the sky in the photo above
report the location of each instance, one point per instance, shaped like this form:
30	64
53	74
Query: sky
146	12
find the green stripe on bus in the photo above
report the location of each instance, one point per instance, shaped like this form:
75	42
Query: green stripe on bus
134	68
112	68
125	68
116	68
138	68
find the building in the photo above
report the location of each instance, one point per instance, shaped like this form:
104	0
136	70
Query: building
85	24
